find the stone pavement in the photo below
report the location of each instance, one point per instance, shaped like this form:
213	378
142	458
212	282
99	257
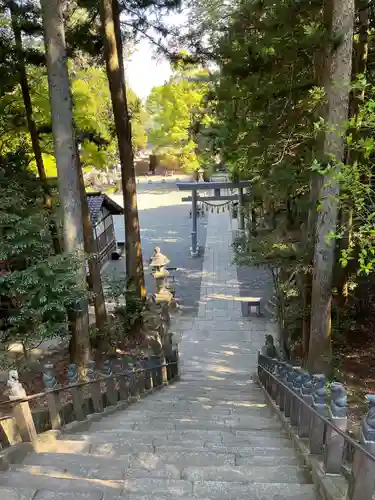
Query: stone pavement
208	437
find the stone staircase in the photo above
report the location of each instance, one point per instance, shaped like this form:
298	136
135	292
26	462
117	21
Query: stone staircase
196	439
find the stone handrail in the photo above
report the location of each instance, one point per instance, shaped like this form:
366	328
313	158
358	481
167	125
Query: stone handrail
321	423
115	384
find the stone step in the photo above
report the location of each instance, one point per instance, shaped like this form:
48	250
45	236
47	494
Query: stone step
16	493
221	490
63	495
252	422
71	463
179	425
169	464
305	495
241	451
274	474
64	483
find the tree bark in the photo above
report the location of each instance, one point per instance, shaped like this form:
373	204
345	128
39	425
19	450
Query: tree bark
357	97
95	278
321	72
66	162
113	57
24	84
337	93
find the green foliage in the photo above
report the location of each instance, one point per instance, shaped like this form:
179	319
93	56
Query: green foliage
176	109
36	286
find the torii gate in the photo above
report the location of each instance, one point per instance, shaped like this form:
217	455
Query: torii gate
216	186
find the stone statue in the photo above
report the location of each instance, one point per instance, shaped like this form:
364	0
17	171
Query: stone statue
15	389
107	368
339	403
269	348
49	378
319	389
73	374
368	423
91	370
306	387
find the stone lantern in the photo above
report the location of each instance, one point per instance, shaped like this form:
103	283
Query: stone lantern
201	174
158	262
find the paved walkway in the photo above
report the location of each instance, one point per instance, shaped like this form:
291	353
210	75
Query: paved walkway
221	340
208	437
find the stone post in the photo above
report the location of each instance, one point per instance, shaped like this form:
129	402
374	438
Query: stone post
141	378
21	411
241	210
295	405
304	413
283	373
53	399
134	394
194	251
76	393
95	387
363	486
290	374
121	377
334	443
110	383
316	437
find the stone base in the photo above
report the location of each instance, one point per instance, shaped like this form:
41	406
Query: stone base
195	253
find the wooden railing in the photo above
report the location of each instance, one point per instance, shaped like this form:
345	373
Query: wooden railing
318	416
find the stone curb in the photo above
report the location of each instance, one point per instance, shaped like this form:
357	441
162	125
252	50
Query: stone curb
15	454
328	487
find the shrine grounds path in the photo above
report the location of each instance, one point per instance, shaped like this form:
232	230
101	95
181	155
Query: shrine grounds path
209	436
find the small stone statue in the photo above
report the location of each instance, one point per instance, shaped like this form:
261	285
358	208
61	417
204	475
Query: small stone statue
269	348
306	387
368	423
107	368
339	404
91	370
319	389
49	378
73	374
15	389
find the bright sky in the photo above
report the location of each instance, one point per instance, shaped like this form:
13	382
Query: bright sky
146	69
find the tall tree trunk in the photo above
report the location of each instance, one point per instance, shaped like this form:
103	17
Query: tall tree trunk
95	278
15	18
337	93
357	97
116	80
66	162
321	71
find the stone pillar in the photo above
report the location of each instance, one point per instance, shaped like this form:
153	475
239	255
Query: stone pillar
334	443
241	210
53	399
319	404
110	383
95	387
283	375
304	413
288	395
194	251
76	393
21	411
363	485
295	406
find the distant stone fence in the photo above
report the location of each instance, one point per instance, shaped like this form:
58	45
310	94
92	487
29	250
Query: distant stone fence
314	413
117	385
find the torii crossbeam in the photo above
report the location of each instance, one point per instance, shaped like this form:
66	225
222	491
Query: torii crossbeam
217	187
